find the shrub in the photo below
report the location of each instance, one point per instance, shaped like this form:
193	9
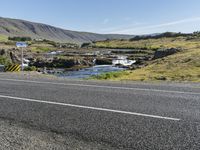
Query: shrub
19	38
163	35
161	78
32	68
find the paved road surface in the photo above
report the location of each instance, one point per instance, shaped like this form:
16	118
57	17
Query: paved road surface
123	116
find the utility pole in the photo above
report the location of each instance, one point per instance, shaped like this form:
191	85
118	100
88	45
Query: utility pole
22	59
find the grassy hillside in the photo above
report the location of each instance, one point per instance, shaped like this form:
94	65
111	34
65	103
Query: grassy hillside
15	27
174	42
182	66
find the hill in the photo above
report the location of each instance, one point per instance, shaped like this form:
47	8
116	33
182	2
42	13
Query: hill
181	66
15	27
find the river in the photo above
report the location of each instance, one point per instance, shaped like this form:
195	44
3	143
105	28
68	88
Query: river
88	72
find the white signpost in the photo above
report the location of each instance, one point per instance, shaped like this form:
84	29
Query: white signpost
22	45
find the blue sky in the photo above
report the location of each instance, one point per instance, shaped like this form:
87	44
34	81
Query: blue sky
109	16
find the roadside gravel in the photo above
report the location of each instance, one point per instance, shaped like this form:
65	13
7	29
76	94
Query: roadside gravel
19	136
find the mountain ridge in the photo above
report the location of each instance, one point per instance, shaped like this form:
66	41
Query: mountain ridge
18	27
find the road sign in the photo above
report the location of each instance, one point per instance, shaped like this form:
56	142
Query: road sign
21	44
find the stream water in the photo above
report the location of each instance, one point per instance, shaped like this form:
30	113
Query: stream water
88	72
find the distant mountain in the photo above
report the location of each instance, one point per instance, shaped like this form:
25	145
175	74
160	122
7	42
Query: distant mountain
15	27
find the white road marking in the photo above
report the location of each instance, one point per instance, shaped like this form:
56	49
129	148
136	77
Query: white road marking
100	86
88	107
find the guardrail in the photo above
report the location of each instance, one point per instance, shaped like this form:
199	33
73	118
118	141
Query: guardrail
2	68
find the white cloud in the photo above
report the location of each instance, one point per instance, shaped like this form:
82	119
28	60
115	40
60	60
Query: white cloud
132	30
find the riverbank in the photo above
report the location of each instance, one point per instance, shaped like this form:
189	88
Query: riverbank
181	67
84	73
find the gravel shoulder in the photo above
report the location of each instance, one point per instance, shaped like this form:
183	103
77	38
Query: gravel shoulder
19	136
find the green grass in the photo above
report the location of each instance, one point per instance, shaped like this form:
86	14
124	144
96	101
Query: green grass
110	75
3	38
42	47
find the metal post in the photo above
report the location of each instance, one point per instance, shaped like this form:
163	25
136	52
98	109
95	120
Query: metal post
22	61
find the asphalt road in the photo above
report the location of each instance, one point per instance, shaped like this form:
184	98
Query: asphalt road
121	115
